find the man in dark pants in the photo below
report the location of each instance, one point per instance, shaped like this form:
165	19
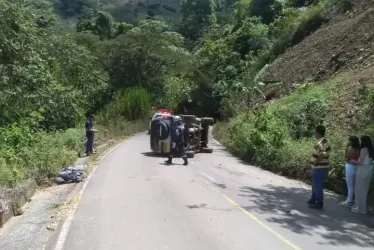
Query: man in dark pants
179	141
320	166
90	134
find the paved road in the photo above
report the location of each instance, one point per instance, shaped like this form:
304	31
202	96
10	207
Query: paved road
134	201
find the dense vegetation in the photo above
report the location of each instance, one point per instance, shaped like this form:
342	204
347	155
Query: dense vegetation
60	60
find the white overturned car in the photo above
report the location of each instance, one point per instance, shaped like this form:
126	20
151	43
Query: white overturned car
158	114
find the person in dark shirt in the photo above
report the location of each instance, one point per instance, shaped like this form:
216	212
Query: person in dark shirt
90	134
179	141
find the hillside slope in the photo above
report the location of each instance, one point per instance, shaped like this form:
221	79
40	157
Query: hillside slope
337	62
344	44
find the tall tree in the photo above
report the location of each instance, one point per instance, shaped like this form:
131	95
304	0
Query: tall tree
268	10
196	16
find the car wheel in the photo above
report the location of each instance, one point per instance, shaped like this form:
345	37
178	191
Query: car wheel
207	150
207	121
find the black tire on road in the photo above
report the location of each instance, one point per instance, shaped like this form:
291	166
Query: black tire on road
207	150
190	154
189	118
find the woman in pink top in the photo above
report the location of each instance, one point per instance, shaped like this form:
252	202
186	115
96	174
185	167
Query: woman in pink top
352	153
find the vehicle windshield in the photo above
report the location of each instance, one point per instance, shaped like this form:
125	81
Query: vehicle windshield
157	116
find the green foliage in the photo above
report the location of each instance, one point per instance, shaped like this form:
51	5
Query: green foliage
175	91
300	3
250	37
256	136
51	75
143	56
196	16
25	153
99	23
131	104
71	8
302	110
268	10
280	137
43	71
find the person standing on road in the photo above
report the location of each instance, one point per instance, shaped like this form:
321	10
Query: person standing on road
179	141
352	153
90	134
363	174
320	165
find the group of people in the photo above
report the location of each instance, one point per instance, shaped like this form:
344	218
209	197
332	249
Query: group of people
358	158
358	170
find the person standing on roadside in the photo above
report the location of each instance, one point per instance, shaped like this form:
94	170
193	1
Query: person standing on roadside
363	175
320	165
352	153
90	134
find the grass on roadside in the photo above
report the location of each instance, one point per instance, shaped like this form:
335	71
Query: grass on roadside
44	154
280	137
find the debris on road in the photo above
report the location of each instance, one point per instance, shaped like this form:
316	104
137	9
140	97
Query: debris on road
70	175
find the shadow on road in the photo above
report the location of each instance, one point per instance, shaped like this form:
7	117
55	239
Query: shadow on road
219	185
287	207
152	154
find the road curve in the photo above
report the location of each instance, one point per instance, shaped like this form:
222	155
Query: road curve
134	201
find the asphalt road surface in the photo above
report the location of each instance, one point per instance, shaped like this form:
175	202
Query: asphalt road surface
134	201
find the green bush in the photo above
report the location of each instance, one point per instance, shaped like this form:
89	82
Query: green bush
281	139
256	136
294	158
48	155
294	26
313	21
302	110
41	155
121	128
12	166
130	104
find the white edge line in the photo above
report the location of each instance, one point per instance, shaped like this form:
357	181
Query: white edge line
66	226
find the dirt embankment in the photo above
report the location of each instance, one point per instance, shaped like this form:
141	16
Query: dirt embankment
344	44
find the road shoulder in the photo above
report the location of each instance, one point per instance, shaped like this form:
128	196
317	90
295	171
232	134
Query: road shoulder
42	216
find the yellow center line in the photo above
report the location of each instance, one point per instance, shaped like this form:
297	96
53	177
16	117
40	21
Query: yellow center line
258	221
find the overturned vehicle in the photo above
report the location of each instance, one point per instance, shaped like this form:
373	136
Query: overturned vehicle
196	129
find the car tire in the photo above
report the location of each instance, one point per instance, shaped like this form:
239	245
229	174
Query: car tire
207	121
207	150
189	118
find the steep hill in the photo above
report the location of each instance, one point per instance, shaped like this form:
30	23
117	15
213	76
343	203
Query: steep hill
343	48
337	62
344	44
